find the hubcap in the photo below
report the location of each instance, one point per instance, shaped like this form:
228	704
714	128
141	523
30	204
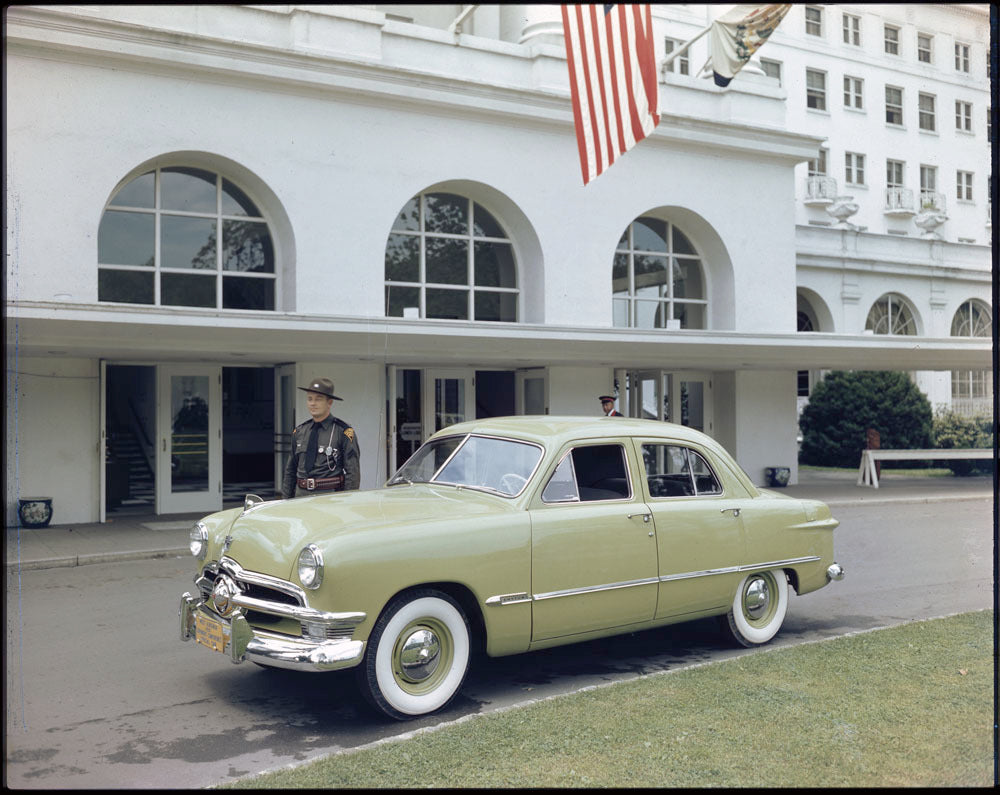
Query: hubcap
419	655
756	598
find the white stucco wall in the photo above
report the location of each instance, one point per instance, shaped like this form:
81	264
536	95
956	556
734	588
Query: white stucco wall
53	423
765	422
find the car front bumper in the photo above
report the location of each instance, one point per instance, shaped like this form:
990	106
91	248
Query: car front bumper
233	635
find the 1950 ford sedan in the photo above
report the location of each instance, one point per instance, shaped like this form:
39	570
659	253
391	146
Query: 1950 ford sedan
505	535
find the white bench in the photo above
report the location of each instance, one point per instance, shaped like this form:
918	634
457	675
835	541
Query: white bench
868	475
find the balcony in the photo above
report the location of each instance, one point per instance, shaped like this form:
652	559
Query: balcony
931	200
820	191
899	203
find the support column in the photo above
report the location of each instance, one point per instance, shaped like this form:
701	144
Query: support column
541	23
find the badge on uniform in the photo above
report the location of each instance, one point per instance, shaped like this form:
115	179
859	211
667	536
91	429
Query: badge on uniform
349	433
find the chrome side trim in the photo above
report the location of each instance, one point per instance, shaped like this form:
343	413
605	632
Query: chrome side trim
594	588
777	564
508	599
774	564
687	575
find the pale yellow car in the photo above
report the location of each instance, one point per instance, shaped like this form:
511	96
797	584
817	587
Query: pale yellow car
504	535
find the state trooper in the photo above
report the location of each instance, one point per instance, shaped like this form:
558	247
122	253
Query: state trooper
325	454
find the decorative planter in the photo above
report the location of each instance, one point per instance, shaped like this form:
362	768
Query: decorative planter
777	476
35	511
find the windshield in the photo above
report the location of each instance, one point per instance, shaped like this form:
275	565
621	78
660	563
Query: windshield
500	466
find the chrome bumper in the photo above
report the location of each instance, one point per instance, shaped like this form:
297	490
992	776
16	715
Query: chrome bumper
242	642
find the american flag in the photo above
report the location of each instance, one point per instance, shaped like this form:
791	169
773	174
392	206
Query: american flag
612	78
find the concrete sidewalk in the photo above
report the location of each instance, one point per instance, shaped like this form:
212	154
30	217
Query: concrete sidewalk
143	536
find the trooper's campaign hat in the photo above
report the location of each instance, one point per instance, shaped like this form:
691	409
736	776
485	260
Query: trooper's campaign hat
602	398
322	385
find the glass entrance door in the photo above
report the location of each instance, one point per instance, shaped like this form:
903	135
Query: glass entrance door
284	419
189	435
448	399
684	398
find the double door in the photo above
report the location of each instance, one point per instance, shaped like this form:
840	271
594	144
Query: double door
681	397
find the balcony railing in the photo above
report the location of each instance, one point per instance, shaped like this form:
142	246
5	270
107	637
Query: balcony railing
931	200
899	201
820	191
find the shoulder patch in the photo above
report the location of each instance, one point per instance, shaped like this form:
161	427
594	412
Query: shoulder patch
349	433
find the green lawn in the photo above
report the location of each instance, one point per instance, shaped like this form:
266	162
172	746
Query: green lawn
908	706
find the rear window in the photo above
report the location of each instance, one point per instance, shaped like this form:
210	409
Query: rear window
677	471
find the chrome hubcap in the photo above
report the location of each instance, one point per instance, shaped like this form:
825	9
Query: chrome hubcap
420	655
756	598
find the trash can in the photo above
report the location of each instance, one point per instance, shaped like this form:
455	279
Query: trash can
777	476
35	511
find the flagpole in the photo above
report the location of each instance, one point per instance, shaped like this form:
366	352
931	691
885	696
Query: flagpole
683	49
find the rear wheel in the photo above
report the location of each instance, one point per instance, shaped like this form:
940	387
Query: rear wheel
758	608
417	655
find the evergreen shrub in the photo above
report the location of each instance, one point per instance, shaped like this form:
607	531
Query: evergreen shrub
957	430
846	403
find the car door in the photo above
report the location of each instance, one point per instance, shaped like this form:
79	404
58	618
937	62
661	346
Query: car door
699	533
593	563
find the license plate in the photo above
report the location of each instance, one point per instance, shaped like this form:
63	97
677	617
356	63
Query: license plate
209	632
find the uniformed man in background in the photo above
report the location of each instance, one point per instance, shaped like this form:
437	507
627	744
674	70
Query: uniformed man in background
608	405
325	456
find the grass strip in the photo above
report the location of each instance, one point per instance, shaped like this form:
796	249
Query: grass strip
909	706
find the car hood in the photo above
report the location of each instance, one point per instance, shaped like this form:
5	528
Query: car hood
269	537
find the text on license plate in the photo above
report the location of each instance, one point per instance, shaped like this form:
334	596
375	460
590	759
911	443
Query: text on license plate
209	632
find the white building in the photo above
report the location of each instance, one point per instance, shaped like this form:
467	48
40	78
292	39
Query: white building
400	208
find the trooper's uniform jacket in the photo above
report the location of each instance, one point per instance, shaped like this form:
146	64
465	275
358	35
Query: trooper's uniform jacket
338	462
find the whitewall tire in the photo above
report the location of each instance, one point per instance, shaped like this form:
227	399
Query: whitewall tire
759	607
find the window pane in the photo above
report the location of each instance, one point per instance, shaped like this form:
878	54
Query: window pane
131	287
409	216
494	265
619	311
447	261
500	307
126	239
139	192
690	315
187	243
651	314
400	299
619	275
681	244
446	212
244	293
181	289
247	247
448	304
402	258
485	225
704	479
650	275
236	202
623	243
188	189
667	471
687	279
649	234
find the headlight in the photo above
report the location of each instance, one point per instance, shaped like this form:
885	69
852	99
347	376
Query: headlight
198	540
310	567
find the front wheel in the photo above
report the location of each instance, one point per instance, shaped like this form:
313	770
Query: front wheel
758	608
417	655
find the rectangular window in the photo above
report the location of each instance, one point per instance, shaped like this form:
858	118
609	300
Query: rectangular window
852	30
771	69
854	168
928	178
962	57
815	89
681	62
817	167
814	21
924	41
891	38
963	185
963	116
926	112
853	92
893	105
894	173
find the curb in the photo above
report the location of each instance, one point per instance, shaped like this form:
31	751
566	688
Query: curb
97	557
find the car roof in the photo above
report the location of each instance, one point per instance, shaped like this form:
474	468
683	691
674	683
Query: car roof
548	429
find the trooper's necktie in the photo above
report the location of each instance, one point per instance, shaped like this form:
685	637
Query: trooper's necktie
311	448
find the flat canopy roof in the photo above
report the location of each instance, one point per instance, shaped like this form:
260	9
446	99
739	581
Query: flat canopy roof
141	334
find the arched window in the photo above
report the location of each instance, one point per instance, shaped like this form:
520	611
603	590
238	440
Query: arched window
890	314
972	390
159	243
657	278
448	258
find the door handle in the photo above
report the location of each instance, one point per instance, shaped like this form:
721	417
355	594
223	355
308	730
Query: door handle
645	516
736	511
